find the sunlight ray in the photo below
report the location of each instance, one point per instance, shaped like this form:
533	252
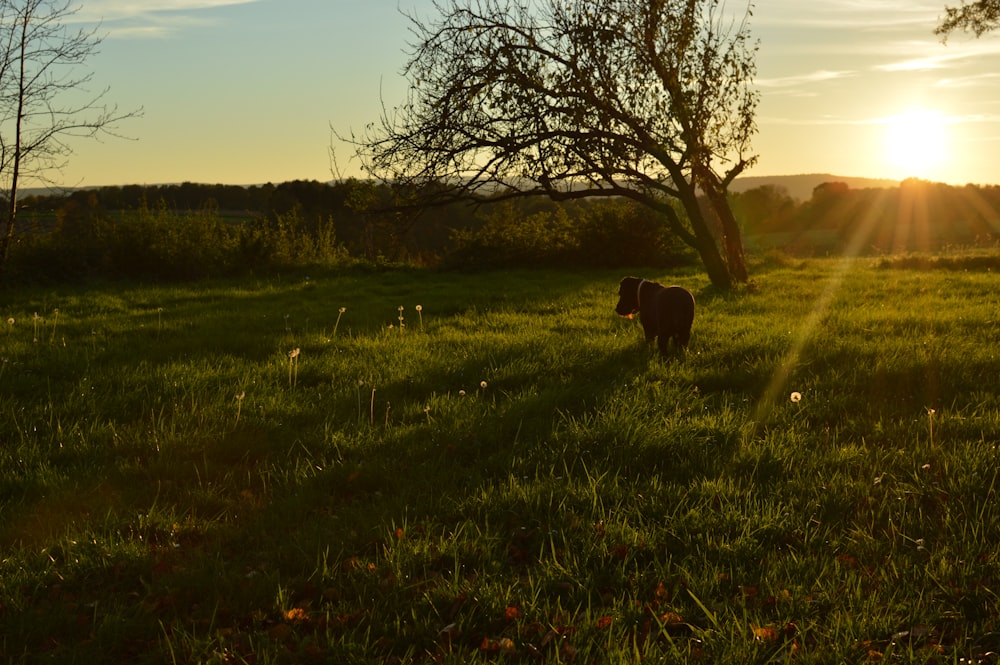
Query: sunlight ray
778	385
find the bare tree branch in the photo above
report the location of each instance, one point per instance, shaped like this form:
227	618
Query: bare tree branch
44	96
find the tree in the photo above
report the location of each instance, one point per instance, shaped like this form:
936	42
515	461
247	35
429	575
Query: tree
764	209
651	100
978	17
44	99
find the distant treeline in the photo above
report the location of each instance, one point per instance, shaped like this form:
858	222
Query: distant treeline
190	231
917	216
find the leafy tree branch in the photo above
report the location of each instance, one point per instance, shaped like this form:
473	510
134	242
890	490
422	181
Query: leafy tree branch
977	17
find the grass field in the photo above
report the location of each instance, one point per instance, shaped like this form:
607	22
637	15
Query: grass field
244	473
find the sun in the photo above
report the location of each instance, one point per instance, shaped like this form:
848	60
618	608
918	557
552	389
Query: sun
916	143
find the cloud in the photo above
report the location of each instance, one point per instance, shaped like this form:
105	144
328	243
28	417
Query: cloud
823	120
970	81
841	121
117	9
913	56
802	79
149	18
865	15
140	32
915	65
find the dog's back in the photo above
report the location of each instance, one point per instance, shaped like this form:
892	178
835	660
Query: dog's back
674	316
666	312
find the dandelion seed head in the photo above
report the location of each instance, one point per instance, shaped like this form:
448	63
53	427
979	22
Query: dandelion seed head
241	395
462	393
482	384
419	308
400	308
342	310
796	397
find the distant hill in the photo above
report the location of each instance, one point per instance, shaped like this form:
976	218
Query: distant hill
801	186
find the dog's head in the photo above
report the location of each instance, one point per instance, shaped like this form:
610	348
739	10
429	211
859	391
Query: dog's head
628	297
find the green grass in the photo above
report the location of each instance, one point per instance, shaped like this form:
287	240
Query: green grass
511	477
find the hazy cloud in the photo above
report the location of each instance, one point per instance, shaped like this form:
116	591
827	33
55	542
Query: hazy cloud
823	120
864	15
803	79
149	18
967	81
915	65
913	57
117	9
836	120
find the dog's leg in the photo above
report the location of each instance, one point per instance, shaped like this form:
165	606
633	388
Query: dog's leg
649	325
663	343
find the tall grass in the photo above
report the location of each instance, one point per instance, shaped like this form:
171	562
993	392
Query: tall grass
510	476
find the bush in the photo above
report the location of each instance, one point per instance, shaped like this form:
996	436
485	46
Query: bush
605	234
616	234
511	238
162	245
286	240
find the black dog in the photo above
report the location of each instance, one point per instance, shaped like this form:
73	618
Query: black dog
666	312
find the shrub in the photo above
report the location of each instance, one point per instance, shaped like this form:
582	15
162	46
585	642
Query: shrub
511	238
604	234
618	233
163	245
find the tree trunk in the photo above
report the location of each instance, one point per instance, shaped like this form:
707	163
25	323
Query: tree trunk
715	266
11	226
704	243
732	239
6	239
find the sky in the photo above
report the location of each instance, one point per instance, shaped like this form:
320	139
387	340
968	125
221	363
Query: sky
246	91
